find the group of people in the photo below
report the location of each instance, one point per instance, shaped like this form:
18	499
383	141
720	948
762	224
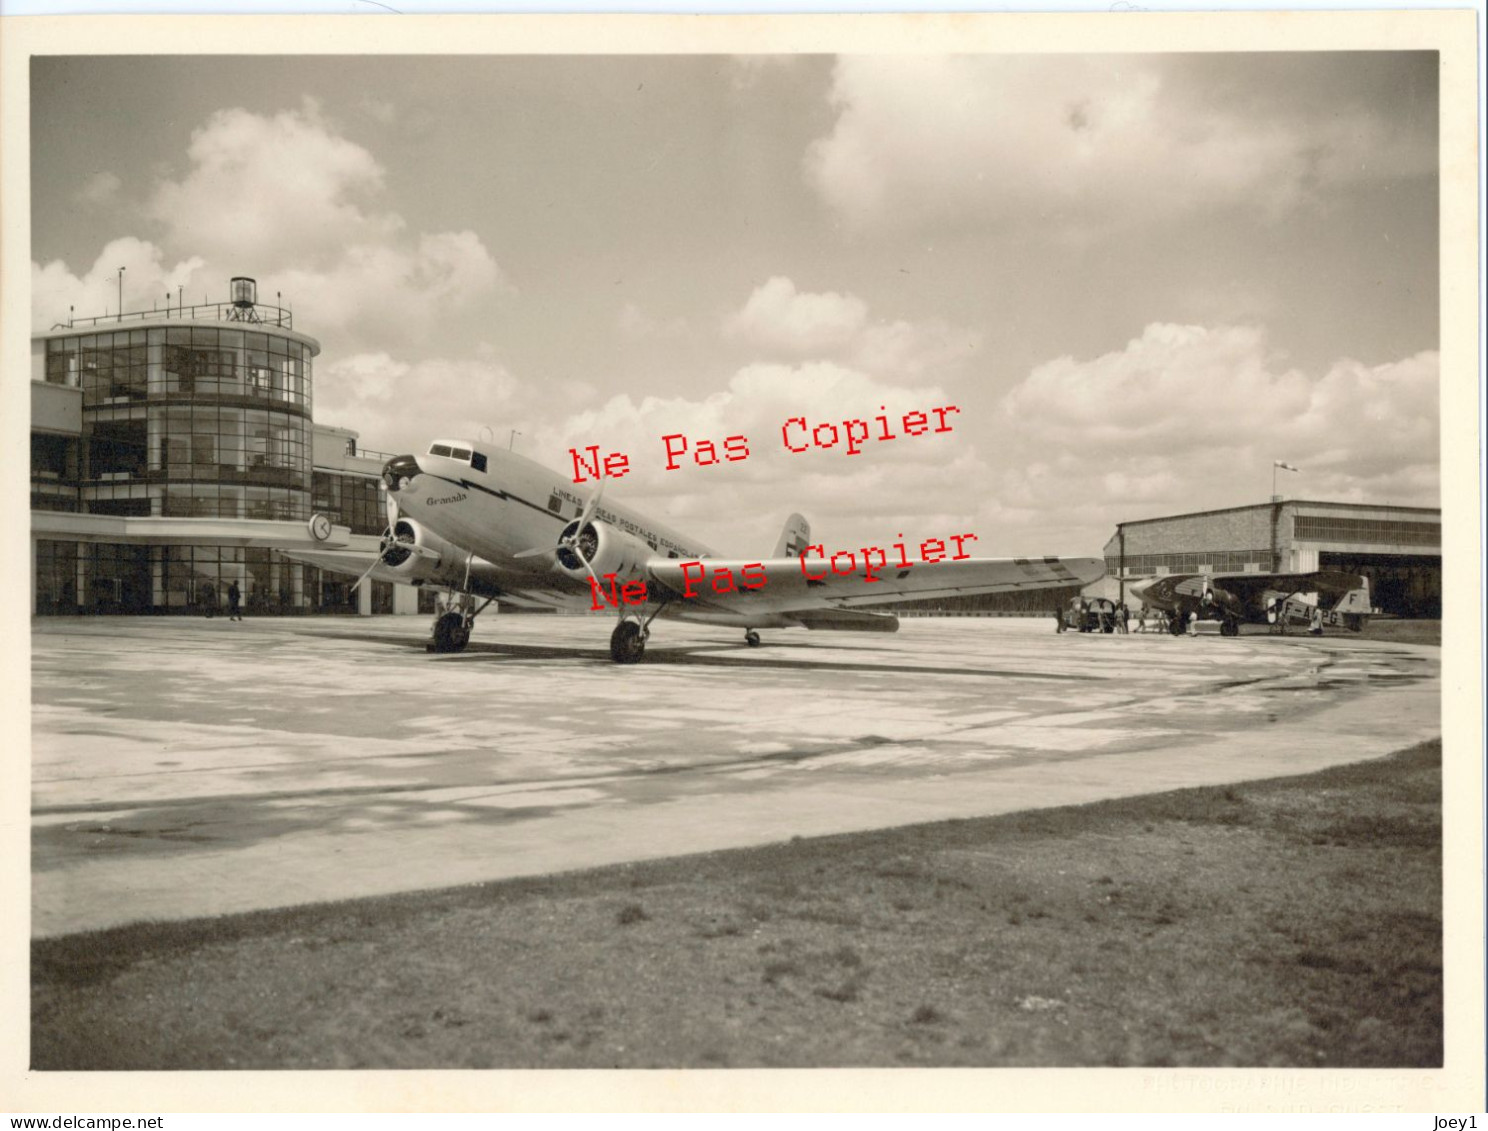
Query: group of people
1098	617
1161	620
234	601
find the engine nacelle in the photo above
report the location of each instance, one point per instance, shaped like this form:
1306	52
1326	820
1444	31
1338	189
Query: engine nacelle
435	561
607	549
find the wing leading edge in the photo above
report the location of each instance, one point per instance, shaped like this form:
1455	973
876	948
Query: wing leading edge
795	585
486	579
1249	588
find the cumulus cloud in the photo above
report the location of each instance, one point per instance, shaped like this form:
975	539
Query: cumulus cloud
923	140
914	349
778	316
286	198
399	292
780	319
739	505
1187	416
283	188
148	279
396	404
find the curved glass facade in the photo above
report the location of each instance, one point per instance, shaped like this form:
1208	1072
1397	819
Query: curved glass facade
195	413
191	421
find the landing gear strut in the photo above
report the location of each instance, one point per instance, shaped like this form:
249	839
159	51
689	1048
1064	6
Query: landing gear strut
451	633
452	624
628	642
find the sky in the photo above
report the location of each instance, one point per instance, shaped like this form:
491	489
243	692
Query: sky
1141	279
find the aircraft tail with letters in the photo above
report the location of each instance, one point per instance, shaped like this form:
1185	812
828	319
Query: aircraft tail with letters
794	538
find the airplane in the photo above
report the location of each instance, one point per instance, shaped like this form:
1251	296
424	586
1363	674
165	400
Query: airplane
1260	598
493	525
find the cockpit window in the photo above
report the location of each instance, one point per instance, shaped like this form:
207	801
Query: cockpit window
460	453
478	460
439	450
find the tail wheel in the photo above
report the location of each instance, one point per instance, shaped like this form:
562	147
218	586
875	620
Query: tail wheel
627	643
752	638
451	633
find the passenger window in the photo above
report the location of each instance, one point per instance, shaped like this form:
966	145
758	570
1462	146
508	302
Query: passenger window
439	450
478	461
460	453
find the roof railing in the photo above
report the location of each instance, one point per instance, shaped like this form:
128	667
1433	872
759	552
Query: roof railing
355	449
259	314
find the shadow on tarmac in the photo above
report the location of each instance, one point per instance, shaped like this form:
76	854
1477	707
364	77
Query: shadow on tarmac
708	656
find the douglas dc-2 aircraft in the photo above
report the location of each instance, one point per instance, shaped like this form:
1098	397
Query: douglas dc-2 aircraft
488	525
1259	598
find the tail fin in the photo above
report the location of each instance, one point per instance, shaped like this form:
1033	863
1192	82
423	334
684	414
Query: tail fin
1356	600
793	538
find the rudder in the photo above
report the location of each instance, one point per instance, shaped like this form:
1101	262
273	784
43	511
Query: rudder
793	538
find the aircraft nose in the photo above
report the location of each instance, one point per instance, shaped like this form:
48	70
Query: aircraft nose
397	471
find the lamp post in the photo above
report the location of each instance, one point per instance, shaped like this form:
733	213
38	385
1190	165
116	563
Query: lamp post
512	439
121	294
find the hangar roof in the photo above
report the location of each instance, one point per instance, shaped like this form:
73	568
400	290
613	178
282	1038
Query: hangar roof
1284	503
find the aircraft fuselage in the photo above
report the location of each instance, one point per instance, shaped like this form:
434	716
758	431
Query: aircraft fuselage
499	505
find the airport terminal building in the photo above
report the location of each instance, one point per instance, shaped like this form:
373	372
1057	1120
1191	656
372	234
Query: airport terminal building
1397	548
170	449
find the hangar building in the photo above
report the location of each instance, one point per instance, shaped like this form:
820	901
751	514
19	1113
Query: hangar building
1397	548
170	449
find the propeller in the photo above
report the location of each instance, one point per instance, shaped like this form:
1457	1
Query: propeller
389	539
570	542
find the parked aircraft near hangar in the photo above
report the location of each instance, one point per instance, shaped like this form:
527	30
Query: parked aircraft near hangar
1323	597
495	525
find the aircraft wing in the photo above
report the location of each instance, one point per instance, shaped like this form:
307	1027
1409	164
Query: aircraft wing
1247	587
713	586
1326	582
486	579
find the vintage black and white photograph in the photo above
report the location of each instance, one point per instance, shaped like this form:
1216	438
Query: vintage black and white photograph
745	556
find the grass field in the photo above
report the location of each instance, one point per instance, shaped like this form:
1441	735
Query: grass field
1295	921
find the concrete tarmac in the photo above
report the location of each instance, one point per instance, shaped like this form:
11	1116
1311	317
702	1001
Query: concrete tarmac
185	767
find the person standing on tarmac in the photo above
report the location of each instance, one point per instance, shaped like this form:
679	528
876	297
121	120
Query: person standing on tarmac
234	598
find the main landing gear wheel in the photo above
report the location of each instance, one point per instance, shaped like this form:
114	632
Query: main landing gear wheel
627	643
1230	627
752	638
451	633
1177	625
